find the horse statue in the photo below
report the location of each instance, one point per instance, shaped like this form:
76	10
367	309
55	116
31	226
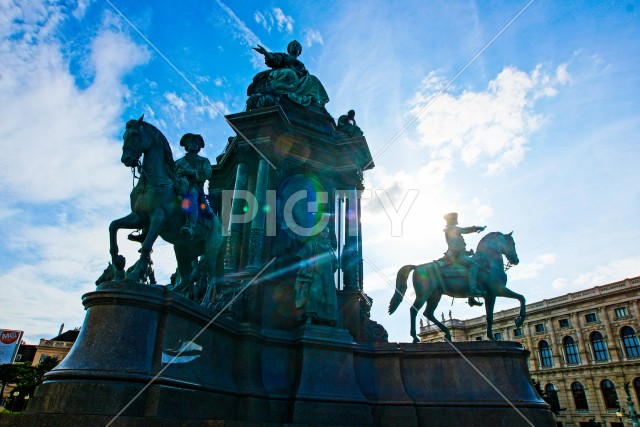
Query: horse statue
156	209
431	281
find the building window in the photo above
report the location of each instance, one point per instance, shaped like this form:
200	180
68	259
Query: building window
497	336
517	332
546	358
609	394
630	342
600	351
552	397
571	350
636	387
539	327
621	312
579	397
564	323
590	317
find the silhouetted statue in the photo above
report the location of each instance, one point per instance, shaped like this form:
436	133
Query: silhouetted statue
457	252
154	210
287	77
347	124
430	283
192	171
316	298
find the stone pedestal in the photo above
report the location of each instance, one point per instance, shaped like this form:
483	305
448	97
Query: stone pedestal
235	372
328	392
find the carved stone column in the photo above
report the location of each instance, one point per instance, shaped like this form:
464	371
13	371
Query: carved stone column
234	239
612	342
350	256
556	351
533	348
582	342
256	238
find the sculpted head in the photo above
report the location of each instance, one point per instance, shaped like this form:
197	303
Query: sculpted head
451	218
294	48
192	142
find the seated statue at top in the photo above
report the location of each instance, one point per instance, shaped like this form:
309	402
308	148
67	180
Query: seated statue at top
347	124
287	77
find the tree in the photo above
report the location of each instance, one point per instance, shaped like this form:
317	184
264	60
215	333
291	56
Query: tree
9	374
27	377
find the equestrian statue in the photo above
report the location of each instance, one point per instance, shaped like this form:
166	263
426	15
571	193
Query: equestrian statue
461	274
168	201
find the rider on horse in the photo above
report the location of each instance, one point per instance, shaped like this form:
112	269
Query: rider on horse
457	252
196	170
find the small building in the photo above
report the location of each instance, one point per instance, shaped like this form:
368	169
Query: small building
57	347
584	347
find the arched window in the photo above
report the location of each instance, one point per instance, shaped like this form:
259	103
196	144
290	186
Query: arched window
579	396
600	351
609	394
630	342
552	397
571	350
545	354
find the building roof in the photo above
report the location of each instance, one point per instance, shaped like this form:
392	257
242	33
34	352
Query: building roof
68	336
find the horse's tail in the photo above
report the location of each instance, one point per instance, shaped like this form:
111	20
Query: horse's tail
401	287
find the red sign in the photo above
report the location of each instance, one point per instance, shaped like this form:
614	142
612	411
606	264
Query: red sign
9	337
9	343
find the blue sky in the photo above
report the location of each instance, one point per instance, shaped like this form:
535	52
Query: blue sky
538	134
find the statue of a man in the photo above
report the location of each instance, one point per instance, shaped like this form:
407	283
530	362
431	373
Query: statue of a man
347	124
195	170
457	251
316	298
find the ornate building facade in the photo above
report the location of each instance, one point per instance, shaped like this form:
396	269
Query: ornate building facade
57	347
584	347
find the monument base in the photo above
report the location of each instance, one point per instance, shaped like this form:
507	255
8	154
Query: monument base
134	355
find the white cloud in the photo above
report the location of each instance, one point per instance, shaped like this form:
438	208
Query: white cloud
490	128
62	181
48	114
285	22
311	37
240	31
277	18
261	19
530	270
601	275
175	101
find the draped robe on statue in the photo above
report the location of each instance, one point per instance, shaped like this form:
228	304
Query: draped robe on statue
289	77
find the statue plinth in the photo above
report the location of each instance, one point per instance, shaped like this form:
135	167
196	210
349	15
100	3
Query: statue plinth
240	372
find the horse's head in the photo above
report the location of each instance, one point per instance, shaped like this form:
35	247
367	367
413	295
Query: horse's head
509	249
135	142
498	243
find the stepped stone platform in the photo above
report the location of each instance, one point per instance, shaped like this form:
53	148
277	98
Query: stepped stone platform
236	374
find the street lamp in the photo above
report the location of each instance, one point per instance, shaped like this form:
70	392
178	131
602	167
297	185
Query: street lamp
15	397
620	414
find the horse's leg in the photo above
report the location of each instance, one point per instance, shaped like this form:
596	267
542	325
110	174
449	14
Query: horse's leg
184	258
131	221
415	308
155	225
508	293
420	285
213	247
489	303
432	304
